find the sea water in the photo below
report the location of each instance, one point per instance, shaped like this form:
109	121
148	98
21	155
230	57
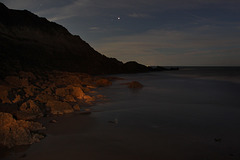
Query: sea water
191	113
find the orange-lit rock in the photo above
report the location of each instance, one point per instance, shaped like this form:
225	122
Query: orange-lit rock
69	98
76	92
58	107
29	96
29	110
100	96
17	99
91	87
76	107
88	99
18	132
103	82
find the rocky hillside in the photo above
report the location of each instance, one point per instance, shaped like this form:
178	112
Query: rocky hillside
29	43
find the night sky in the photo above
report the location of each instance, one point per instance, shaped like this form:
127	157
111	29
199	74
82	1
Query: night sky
152	32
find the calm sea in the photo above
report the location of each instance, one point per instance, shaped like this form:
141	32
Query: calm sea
189	114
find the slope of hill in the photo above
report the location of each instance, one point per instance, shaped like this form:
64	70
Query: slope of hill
29	43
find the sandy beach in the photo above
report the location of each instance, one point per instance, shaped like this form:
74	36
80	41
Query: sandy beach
172	117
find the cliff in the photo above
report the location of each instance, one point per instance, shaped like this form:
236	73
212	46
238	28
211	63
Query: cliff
30	43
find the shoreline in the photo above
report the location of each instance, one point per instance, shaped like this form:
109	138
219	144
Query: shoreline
27	97
200	125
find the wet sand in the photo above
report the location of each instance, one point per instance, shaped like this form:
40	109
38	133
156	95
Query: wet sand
172	117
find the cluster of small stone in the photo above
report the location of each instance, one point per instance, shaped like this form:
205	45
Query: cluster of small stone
27	96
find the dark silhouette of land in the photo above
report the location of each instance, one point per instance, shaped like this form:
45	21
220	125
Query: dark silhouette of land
28	42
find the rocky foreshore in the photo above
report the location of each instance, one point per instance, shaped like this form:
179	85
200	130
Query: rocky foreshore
27	96
31	48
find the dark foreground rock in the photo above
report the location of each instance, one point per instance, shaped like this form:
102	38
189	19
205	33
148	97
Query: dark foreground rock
29	110
18	132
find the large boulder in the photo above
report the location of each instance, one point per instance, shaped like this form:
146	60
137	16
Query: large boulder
77	92
58	107
103	82
18	132
29	110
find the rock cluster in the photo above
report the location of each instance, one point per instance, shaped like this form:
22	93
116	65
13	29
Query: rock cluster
18	132
40	94
55	92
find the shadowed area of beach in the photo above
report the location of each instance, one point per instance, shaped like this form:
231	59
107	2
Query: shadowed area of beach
171	117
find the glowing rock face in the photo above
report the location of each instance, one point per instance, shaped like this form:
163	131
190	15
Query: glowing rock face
18	132
58	107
